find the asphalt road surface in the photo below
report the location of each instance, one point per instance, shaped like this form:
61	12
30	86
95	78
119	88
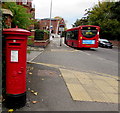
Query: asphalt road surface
101	60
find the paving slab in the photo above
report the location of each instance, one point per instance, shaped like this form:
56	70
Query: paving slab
33	52
90	87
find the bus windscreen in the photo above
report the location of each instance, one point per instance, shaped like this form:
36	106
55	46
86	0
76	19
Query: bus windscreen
89	32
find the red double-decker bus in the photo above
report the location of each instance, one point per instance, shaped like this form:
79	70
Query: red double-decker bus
85	36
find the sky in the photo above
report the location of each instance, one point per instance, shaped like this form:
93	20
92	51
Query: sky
69	10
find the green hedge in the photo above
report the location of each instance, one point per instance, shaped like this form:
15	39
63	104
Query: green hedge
39	34
30	40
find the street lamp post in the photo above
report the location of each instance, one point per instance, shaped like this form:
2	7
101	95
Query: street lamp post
50	18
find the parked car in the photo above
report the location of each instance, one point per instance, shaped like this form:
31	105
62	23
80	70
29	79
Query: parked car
105	43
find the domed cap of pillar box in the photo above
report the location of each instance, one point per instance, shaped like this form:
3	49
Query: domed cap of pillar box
16	31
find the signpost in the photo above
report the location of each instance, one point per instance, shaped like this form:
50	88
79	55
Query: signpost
61	29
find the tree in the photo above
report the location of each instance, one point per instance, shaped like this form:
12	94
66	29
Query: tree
82	21
115	11
20	16
104	16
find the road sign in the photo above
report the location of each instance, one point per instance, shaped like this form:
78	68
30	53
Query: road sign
61	28
51	27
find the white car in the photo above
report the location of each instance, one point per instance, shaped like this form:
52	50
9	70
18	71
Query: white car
105	43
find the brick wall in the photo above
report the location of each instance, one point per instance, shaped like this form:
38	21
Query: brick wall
115	42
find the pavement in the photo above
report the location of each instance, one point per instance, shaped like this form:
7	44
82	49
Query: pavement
33	52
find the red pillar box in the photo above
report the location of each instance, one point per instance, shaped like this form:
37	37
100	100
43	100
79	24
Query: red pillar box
16	46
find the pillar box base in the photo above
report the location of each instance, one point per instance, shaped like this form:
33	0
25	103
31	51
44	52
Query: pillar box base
15	101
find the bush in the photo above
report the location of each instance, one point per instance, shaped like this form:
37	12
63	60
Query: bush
31	37
30	40
40	34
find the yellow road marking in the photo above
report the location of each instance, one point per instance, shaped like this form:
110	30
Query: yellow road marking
63	50
45	64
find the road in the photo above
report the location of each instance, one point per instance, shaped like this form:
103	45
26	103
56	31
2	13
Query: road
68	79
101	60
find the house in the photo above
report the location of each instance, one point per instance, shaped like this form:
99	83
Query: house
56	25
7	15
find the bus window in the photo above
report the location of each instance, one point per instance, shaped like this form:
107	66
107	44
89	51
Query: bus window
68	35
72	35
76	34
89	32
